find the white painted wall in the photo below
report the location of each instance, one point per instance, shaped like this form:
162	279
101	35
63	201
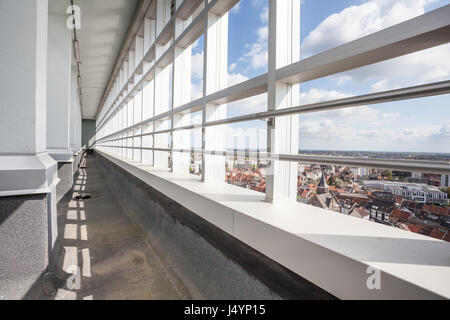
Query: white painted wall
23	70
75	113
25	166
58	85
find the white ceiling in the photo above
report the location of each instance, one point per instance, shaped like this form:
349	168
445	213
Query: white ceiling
104	24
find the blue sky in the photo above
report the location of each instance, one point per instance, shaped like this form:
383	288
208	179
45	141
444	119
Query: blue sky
411	125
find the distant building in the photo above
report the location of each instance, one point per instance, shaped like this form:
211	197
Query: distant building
323	198
415	191
360	212
246	164
357	198
416	175
437	214
399	216
324	201
322	187
384	195
346	207
359	171
380	210
381	207
445	180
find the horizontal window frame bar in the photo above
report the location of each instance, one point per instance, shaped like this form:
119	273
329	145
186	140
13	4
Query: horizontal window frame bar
181	40
420	91
431	89
424	166
433	27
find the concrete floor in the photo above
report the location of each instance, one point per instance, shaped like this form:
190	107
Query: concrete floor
102	254
102	244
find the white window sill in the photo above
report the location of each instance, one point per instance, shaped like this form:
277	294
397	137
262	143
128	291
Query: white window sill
329	249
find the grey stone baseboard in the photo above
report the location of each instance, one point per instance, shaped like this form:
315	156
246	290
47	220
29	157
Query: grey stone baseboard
66	178
24	242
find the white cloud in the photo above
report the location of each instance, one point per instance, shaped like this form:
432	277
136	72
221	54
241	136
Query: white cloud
445	129
264	15
235	78
232	67
392	115
256	54
357	21
341	80
197	65
239	138
263	34
196	90
339	123
259	3
318	95
425	66
249	105
364	127
236	8
253	104
196	43
421	67
409	132
367	128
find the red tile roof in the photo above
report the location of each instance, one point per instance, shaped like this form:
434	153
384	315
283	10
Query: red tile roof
436	210
304	193
413	228
437	234
400	215
411	204
447	237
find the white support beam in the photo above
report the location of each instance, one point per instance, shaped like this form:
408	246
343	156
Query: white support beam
214	79
245	89
161	94
25	166
282	132
137	141
28	227
75	114
181	94
162	15
58	88
148	112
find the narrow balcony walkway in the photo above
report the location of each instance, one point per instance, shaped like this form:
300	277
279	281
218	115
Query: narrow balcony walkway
113	258
116	261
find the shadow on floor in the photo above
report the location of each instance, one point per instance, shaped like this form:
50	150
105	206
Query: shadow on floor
103	255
